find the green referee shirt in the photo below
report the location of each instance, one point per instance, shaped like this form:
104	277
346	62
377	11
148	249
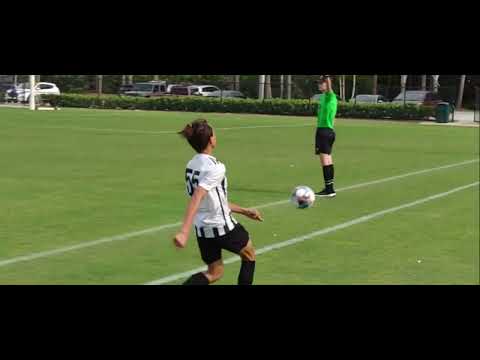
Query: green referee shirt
327	110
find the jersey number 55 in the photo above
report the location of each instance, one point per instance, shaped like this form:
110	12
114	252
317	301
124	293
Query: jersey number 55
191	177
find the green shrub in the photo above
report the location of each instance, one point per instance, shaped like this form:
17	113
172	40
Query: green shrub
251	106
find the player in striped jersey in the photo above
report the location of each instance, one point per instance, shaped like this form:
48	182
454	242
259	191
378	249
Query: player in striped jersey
211	213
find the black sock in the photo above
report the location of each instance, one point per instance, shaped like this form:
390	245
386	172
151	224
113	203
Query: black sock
197	279
245	277
328	175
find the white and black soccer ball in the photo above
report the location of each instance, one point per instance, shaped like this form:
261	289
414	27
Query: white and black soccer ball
302	197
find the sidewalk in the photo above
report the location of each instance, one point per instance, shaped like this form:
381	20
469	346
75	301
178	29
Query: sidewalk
463	118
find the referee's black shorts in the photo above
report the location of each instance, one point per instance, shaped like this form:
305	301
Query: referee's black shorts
324	140
234	241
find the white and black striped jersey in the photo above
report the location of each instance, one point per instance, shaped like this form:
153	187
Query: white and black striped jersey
214	216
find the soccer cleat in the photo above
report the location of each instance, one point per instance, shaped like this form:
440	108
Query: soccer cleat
326	193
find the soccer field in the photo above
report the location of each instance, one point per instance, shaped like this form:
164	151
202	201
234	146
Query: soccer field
95	196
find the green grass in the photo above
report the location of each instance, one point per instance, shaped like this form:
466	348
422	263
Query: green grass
61	185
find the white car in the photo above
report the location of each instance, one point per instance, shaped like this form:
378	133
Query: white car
21	93
202	90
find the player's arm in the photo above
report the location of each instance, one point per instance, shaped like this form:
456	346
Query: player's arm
253	214
328	81
181	238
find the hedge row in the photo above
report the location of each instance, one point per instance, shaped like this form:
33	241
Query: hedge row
251	106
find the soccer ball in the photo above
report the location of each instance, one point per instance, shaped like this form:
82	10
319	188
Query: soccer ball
302	197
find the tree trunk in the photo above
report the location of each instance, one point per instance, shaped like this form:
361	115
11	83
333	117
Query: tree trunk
156	77
403	84
282	84
268	86
124	79
460	91
375	85
342	87
15	80
424	82
261	87
130	79
32	92
99	84
436	84
354	86
289	86
237	82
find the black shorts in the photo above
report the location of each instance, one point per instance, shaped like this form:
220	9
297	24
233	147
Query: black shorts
324	140
234	241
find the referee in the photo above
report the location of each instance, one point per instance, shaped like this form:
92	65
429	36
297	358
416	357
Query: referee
325	136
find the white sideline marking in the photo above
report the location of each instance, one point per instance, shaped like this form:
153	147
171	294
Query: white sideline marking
327	230
134	131
151	230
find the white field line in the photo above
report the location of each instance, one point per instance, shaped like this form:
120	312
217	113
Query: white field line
155	229
279	245
135	131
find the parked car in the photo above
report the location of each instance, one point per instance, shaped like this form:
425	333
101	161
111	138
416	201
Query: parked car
170	86
370	99
203	90
180	90
227	94
425	98
9	93
21	92
126	87
148	89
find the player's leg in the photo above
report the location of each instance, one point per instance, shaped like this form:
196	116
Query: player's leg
324	147
238	242
247	269
211	254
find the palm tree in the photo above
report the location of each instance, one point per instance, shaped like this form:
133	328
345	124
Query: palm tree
261	87
354	85
424	82
289	86
342	87
375	85
436	84
460	91
130	79
282	80
268	86
237	82
124	79
99	84
403	82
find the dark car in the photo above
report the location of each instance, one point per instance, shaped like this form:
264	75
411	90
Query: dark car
4	87
124	88
180	90
425	98
148	89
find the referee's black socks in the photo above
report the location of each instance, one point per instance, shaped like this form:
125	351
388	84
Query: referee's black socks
328	175
197	279
245	277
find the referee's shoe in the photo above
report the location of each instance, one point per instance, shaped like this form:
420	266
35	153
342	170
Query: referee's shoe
326	193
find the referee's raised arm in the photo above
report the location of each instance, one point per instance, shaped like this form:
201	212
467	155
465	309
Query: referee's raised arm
328	82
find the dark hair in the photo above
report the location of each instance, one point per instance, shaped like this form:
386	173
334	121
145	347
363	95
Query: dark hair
198	134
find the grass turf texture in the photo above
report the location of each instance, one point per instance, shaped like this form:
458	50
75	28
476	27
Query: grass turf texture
61	185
